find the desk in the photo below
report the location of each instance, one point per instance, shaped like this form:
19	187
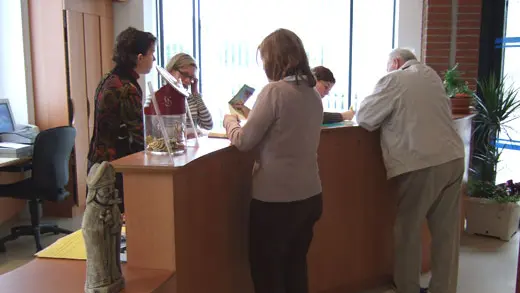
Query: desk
7	162
187	221
10	207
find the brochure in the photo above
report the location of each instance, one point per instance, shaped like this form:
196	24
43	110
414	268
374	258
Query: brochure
237	103
236	106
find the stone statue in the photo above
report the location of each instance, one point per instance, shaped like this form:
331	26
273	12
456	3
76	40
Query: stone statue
101	229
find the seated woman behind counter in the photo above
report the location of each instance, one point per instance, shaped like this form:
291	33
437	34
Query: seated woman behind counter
324	82
183	67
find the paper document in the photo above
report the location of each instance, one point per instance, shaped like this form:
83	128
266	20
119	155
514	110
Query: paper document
339	124
13	145
72	246
217	134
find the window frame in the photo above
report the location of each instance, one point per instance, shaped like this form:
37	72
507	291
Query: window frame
197	40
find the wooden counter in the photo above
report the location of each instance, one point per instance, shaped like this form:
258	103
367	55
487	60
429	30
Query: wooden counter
57	276
188	220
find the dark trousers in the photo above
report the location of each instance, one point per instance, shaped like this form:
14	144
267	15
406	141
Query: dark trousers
119	187
279	238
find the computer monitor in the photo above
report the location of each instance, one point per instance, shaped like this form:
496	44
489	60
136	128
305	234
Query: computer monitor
6	117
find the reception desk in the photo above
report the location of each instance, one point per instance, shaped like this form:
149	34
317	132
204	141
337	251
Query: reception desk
187	221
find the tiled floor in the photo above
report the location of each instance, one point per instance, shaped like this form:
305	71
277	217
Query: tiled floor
487	265
22	250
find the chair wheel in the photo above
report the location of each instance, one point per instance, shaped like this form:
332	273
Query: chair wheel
2	248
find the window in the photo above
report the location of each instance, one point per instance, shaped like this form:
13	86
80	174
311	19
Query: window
512	43
508	165
338	34
372	42
13	53
175	28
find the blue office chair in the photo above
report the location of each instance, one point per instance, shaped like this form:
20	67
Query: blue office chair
50	175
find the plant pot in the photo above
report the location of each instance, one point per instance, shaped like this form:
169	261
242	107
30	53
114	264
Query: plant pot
487	217
461	104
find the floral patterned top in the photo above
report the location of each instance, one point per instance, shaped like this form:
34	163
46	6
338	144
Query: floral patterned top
118	117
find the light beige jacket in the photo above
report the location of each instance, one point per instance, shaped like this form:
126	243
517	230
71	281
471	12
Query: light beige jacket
413	111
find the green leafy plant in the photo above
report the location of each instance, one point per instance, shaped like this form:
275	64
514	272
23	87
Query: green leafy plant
454	84
496	106
489	190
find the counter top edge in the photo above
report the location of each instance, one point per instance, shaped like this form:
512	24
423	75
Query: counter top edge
144	162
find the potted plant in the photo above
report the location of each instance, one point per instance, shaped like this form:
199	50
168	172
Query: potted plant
492	209
458	91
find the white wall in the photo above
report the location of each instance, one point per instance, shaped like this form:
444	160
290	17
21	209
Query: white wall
141	15
12	61
409	28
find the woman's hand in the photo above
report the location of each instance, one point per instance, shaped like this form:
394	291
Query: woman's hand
240	107
348	115
195	86
230	118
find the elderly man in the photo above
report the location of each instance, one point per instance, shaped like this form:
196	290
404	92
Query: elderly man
424	155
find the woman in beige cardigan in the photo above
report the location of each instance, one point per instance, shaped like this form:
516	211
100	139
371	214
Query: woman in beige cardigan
284	128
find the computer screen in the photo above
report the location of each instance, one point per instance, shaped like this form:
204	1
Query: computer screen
6	119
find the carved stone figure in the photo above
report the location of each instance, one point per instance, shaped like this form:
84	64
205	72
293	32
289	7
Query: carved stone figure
101	229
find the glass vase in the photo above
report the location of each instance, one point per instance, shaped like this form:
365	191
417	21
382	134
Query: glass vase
175	126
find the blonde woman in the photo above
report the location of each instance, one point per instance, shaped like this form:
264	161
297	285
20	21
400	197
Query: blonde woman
183	67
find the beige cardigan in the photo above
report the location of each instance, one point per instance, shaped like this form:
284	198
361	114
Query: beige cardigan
284	127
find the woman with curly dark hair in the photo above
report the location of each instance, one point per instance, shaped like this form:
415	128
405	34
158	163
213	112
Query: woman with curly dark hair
284	127
118	108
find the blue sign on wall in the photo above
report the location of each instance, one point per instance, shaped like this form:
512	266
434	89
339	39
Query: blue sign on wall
508	144
507	42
